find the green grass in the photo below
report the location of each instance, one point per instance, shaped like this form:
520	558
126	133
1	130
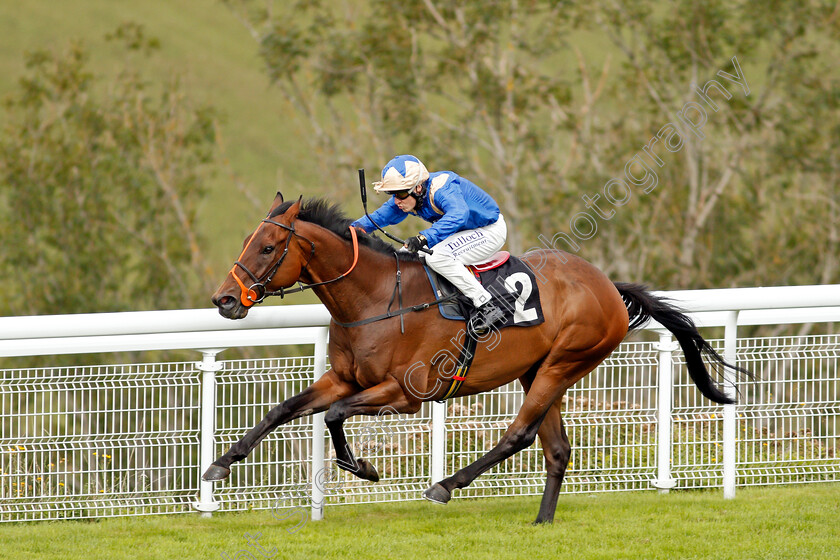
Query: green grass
761	523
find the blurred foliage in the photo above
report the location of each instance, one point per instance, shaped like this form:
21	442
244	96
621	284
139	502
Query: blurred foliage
101	178
540	102
543	102
736	208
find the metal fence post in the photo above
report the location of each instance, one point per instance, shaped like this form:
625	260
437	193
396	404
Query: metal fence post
730	427
438	441
208	367
666	347
318	466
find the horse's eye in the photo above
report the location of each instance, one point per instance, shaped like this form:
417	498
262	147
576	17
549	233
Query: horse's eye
268	249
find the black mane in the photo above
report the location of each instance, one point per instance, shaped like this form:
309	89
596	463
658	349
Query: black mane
330	216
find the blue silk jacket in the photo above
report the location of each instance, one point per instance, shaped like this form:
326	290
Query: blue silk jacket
450	203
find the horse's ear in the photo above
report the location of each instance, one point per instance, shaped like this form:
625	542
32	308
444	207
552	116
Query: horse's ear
278	200
294	210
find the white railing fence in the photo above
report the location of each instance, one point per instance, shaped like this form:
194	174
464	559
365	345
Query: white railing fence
133	439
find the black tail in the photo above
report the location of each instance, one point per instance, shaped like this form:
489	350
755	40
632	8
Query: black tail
642	305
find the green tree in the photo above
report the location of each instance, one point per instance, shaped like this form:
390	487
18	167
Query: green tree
543	102
803	166
469	86
731	208
101	178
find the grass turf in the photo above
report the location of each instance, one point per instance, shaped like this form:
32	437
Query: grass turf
761	523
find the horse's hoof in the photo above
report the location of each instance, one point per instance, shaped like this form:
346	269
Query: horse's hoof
215	472
367	471
437	494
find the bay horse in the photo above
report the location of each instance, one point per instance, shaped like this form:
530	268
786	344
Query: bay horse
377	369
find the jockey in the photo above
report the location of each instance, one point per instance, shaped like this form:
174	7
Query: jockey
466	225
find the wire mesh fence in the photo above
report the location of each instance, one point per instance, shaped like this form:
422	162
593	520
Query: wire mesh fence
97	441
789	426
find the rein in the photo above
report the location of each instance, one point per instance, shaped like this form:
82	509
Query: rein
402	310
397	313
301	286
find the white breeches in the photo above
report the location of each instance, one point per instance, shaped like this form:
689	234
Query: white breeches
470	246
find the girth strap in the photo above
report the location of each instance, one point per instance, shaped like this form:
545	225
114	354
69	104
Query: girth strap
464	362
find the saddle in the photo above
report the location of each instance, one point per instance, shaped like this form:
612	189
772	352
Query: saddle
514	289
512	284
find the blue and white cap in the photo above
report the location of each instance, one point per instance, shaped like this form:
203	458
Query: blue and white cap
401	173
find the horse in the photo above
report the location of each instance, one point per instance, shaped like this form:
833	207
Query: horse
377	369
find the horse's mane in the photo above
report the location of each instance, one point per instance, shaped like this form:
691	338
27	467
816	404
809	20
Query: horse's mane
329	216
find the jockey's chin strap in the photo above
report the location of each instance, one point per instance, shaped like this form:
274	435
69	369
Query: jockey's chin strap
258	292
421	196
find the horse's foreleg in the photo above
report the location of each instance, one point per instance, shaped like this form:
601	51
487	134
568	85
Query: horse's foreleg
315	398
386	398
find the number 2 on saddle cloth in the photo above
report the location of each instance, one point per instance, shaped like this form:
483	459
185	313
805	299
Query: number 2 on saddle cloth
515	292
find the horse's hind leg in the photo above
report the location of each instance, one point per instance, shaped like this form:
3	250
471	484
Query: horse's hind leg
548	386
557	451
315	398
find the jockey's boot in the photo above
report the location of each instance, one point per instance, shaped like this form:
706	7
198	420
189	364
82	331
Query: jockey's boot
486	316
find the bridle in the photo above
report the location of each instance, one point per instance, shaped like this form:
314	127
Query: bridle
258	291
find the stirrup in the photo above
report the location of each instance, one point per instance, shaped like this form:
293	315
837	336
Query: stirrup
487	315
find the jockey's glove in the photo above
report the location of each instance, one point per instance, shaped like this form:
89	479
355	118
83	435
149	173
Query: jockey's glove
414	244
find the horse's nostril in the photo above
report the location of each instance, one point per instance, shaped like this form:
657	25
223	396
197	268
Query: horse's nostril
224	302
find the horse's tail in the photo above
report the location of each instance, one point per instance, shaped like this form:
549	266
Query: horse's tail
642	305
